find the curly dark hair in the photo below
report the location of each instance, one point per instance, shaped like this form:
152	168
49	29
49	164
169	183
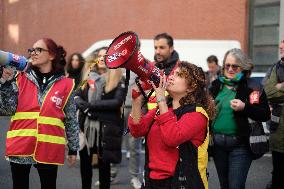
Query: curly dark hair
199	94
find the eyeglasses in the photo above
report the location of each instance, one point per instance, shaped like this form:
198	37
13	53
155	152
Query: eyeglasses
36	50
234	67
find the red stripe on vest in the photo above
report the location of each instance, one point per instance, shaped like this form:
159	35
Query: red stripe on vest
51	130
23	124
55	153
20	146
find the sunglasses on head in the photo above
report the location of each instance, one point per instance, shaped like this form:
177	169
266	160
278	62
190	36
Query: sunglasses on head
234	67
36	50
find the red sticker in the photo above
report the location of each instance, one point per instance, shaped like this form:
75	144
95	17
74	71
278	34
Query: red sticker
92	84
16	57
254	97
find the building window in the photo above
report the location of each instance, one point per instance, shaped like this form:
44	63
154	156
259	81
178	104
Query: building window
264	33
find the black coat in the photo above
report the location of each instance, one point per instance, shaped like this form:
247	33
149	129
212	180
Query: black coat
257	112
108	112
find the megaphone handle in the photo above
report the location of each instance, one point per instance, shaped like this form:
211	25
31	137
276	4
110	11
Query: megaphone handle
147	98
140	88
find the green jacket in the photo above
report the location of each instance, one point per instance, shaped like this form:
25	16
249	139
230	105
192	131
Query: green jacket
275	95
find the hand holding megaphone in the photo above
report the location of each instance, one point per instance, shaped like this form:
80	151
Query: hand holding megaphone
142	89
7	74
124	52
160	89
10	59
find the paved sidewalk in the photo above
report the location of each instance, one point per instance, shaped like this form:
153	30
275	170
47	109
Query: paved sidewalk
69	178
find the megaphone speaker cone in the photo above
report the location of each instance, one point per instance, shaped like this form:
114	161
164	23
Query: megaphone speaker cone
124	52
121	50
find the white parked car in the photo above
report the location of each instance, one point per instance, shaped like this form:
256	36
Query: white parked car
194	51
258	76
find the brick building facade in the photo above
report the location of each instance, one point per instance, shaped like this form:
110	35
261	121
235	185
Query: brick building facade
76	24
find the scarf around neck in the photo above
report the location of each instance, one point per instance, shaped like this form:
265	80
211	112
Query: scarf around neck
233	81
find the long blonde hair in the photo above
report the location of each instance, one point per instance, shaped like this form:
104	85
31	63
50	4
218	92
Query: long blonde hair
87	68
91	63
113	77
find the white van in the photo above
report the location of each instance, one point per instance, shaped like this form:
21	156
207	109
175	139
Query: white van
194	51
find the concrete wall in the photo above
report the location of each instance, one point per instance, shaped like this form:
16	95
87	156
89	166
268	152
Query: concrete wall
76	24
281	23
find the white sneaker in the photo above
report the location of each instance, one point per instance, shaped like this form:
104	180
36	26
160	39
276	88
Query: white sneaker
112	182
135	183
127	155
97	183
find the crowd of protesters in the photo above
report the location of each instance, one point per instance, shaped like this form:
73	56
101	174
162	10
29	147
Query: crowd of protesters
82	100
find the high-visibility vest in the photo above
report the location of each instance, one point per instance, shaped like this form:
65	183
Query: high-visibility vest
35	131
152	102
192	163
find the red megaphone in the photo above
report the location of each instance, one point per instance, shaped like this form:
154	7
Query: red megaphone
124	52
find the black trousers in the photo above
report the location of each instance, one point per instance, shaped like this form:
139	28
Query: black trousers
21	172
104	174
278	170
86	170
161	184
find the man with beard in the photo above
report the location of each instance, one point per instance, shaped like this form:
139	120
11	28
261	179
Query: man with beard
165	55
274	88
166	59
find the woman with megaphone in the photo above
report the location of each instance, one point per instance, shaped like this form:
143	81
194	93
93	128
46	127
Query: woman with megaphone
40	101
176	131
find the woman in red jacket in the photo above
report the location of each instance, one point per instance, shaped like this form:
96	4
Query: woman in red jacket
176	131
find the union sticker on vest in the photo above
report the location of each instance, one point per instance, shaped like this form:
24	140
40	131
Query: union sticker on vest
57	99
254	97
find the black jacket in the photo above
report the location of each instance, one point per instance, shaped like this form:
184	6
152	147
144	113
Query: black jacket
257	112
108	112
169	64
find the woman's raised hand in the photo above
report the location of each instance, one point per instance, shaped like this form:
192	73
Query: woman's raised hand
161	88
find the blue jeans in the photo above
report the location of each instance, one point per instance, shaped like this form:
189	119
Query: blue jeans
232	160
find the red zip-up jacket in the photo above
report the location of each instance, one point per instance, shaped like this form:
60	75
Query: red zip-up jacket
165	135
